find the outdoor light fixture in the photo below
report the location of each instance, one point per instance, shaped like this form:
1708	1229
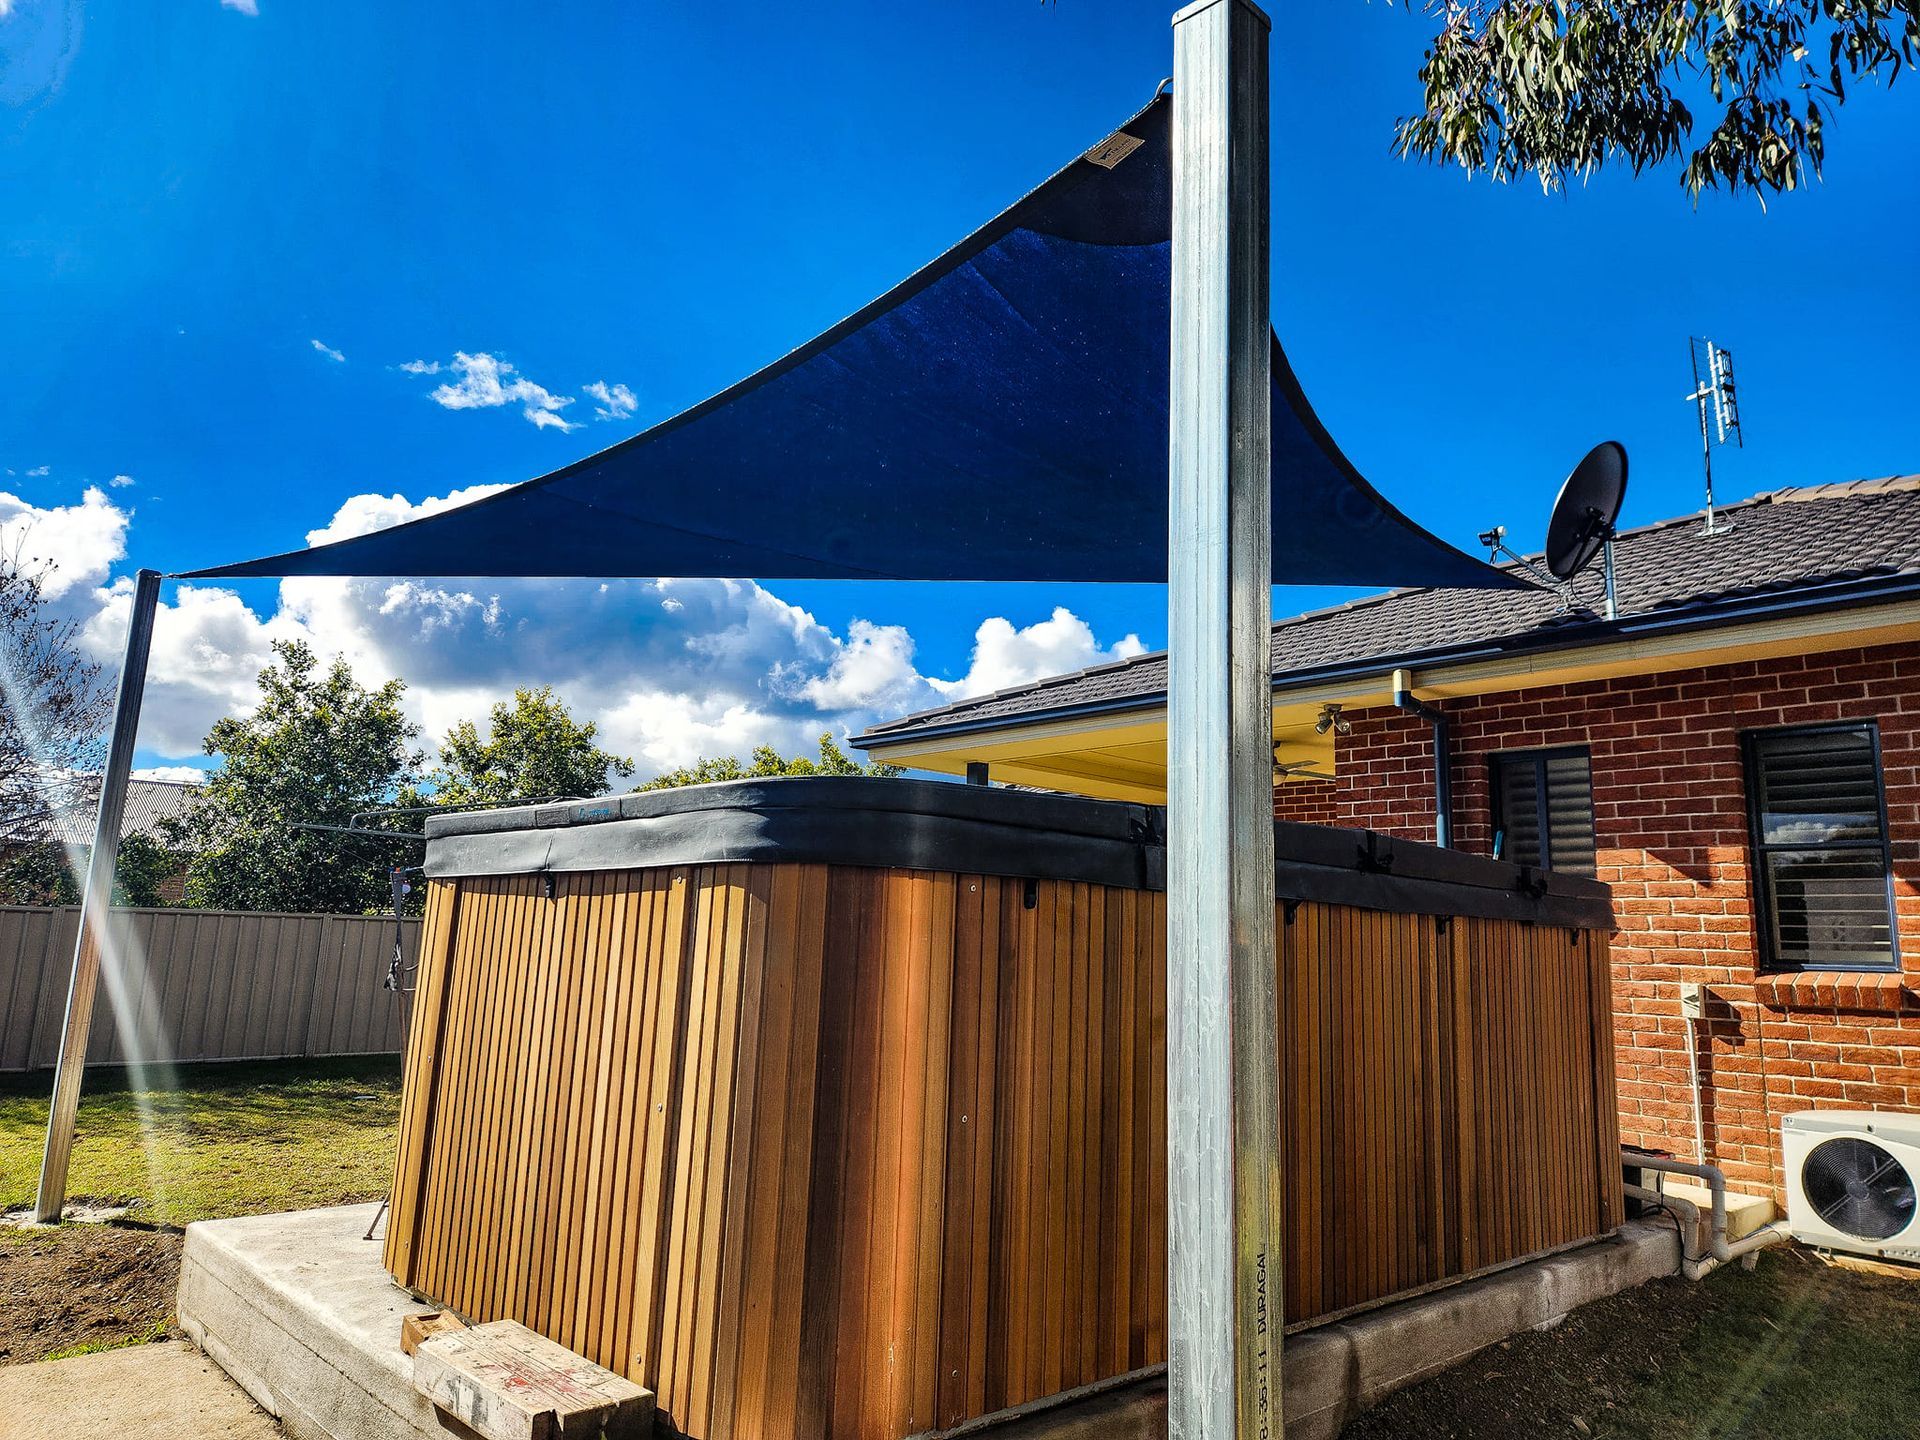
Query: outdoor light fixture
1332	719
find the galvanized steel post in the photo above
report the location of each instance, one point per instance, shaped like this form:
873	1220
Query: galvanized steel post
51	1197
1223	1112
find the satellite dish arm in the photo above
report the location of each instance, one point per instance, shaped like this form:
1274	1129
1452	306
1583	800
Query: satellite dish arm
1496	541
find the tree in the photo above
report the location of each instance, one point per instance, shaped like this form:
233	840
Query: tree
318	747
1560	87
534	747
768	763
53	706
49	874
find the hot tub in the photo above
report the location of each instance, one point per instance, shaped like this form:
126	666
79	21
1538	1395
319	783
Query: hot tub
837	1106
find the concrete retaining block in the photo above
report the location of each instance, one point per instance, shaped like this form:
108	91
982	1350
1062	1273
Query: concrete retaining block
297	1309
1335	1371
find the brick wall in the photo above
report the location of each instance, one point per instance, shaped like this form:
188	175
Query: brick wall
1671	823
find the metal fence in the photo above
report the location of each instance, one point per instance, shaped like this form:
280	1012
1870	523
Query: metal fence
203	985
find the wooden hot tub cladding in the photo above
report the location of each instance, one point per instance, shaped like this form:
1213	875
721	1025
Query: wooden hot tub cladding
813	1145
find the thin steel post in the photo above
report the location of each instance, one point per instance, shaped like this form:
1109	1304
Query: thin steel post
1224	1221
95	902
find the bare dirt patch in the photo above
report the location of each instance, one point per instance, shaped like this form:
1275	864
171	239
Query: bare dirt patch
1797	1350
84	1287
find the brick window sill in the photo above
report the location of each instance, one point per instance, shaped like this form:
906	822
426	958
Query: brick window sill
1834	990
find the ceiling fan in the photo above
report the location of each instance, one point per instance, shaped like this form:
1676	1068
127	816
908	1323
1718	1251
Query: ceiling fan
1297	769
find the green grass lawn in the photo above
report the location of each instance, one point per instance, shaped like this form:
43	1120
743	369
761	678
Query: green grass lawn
237	1139
1796	1350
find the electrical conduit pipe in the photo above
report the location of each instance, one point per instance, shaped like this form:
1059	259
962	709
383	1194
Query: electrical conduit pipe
1719	1249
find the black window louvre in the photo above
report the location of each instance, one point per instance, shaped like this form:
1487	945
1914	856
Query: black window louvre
1544	795
1822	865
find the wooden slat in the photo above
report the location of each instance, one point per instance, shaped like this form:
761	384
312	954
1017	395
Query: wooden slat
418	1094
816	1151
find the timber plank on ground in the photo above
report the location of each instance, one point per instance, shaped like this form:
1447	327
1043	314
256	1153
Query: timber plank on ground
507	1383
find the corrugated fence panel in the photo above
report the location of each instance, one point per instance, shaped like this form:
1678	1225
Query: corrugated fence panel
829	1151
203	985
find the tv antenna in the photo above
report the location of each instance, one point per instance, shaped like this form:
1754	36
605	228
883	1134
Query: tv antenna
1713	395
1580	527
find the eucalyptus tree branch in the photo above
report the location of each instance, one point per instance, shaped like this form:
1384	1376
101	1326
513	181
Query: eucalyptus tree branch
1559	88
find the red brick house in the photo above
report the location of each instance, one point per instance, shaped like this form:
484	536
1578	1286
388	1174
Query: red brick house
1738	754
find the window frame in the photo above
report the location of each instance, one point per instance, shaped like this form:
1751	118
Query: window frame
1538	756
1758	849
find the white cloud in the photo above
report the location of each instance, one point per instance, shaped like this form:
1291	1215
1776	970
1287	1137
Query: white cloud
872	670
120	482
39	470
327	350
671	669
487	382
81	542
363	514
208	650
245	7
173	774
1004	656
614	402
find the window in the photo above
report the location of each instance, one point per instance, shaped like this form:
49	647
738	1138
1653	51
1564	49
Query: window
1543	809
1822	877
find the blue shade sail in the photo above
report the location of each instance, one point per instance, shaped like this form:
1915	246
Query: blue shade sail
1001	415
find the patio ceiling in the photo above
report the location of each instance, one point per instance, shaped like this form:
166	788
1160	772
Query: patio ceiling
1120	753
1110	758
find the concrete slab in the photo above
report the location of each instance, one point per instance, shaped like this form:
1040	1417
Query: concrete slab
298	1310
71	1215
167	1391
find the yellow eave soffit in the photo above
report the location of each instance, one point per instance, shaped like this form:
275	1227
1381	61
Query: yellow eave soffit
1121	755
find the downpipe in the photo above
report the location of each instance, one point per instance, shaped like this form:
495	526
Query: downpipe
1404	700
1720	1250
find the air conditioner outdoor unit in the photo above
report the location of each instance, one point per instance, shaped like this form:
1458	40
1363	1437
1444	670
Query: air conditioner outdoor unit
1852	1180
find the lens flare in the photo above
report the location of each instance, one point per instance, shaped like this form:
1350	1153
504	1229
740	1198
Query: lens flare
145	1048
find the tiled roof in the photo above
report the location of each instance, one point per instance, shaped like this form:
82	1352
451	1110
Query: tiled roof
1784	543
148	803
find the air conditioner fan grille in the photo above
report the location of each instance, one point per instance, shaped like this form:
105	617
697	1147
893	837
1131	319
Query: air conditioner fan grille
1859	1188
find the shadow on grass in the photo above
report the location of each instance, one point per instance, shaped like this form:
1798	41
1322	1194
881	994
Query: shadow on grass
223	1076
227	1139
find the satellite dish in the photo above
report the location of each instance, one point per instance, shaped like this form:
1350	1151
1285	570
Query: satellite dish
1589	503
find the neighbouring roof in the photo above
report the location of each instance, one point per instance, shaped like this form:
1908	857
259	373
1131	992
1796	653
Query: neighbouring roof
1840	542
148	803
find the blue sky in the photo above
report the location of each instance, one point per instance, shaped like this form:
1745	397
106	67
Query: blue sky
666	197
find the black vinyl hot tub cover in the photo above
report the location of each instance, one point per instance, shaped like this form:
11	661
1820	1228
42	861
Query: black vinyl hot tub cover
980	830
